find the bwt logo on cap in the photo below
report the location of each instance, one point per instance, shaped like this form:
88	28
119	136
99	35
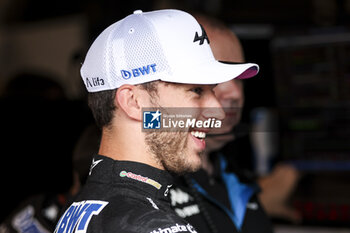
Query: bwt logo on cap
144	70
152	119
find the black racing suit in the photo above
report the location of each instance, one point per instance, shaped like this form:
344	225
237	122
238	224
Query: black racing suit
207	201
123	196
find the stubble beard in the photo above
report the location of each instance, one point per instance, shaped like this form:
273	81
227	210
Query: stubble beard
169	151
169	148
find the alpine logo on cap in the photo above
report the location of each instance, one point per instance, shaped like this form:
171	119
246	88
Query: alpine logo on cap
202	37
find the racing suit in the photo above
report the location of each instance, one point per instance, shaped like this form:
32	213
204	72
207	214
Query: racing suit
212	203
123	196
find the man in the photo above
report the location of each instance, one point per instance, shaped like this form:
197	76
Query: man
215	199
148	59
277	186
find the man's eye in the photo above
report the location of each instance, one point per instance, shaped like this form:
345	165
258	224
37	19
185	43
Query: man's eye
197	90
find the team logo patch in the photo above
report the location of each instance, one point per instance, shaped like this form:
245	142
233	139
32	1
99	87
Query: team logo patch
94	164
139	71
183	203
152	119
77	217
201	38
94	82
176	228
140	178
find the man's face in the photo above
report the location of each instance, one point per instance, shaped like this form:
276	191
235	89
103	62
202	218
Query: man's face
231	97
226	47
180	151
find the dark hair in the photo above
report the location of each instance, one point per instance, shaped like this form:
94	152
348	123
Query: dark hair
103	106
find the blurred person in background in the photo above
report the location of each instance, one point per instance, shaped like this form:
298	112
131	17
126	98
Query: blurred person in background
221	197
40	212
35	114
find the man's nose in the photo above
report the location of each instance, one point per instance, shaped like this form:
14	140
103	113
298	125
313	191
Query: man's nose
213	108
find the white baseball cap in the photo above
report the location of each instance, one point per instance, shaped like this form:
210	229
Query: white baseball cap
167	45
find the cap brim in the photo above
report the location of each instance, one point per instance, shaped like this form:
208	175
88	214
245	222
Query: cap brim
215	72
251	71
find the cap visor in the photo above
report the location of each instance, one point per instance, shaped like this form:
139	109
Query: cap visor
252	70
215	72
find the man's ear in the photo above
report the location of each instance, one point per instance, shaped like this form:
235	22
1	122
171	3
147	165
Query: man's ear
127	99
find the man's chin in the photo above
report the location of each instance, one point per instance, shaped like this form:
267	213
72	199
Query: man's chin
192	164
195	163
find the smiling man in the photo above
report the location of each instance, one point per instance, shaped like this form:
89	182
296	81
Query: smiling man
158	59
